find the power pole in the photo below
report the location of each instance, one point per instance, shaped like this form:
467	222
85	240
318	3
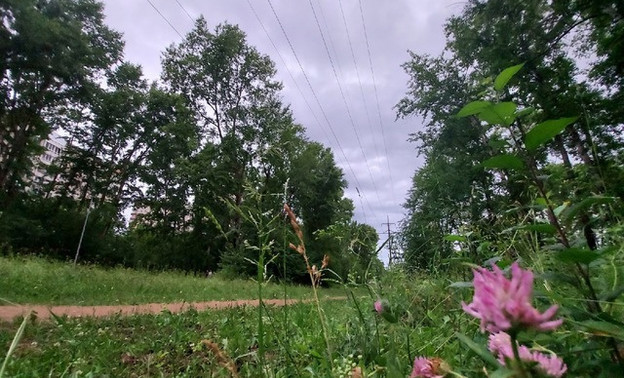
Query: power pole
391	256
394	254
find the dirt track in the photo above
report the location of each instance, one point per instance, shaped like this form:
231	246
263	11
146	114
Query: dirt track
43	312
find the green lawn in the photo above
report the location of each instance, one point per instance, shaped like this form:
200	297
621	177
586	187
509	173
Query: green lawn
39	281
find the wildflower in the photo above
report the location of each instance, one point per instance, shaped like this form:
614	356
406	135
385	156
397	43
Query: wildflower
503	304
551	365
386	311
378	307
429	368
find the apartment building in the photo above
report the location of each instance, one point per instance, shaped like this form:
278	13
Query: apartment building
54	146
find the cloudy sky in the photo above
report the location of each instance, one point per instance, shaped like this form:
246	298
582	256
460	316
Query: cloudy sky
347	105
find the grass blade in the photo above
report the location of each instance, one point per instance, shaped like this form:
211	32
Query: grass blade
16	339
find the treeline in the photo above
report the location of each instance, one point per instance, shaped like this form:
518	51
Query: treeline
208	154
469	204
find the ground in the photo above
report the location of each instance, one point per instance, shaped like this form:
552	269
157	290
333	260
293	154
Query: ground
43	312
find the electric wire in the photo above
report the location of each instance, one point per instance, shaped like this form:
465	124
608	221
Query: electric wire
299	90
357	73
185	11
292	76
332	46
164	18
370	61
344	99
314	94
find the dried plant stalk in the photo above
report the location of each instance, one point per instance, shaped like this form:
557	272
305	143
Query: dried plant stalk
315	274
222	358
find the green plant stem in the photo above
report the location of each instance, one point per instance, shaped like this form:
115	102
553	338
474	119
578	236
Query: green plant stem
283	342
260	277
372	295
322	320
360	315
519	364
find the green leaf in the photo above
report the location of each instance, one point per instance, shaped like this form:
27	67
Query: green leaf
524	112
560	278
545	131
478	349
577	255
503	78
560	208
602	328
503	113
455	238
571	212
505	161
502	372
497	144
473	108
609	297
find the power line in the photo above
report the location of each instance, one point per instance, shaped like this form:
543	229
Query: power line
292	77
299	89
330	39
318	102
357	73
370	61
344	99
187	13
164	18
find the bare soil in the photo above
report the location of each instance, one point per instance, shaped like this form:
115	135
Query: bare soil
44	312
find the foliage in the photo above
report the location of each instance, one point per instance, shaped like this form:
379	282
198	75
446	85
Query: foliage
52	52
187	153
548	93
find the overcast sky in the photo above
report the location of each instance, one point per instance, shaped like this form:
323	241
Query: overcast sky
368	144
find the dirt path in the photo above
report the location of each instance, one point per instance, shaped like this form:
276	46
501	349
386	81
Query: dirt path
43	312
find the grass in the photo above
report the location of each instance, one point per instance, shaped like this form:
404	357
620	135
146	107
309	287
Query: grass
39	281
208	343
218	342
171	344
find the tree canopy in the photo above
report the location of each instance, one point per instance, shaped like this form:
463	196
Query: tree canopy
205	157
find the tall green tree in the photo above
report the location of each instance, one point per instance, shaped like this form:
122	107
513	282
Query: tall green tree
126	122
51	51
226	83
483	40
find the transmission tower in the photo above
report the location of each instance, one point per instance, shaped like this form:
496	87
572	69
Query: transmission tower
394	254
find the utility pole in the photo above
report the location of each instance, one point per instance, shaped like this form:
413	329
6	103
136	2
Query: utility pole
84	227
391	256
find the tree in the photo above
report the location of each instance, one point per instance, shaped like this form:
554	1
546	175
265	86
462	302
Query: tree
226	84
164	173
453	193
51	52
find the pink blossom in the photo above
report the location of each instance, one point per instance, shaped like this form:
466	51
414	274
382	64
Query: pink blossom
500	344
551	365
503	303
378	307
429	368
